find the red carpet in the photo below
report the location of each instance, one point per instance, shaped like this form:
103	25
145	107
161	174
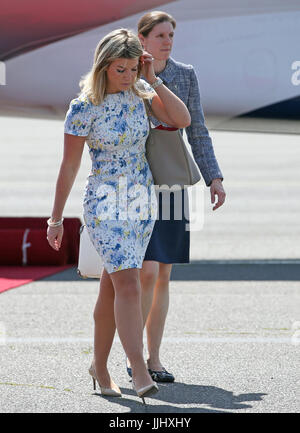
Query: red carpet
15	276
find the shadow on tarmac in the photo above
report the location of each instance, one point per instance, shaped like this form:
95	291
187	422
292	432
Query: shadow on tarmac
187	394
230	270
239	270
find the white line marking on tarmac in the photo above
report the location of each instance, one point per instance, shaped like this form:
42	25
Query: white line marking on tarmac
74	340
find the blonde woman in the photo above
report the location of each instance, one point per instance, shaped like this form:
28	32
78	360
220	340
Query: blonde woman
170	242
109	115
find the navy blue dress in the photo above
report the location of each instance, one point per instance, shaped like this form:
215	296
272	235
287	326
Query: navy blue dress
170	239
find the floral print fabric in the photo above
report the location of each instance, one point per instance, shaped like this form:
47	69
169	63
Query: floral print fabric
119	201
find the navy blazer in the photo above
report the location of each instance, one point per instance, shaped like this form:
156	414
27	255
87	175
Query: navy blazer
182	80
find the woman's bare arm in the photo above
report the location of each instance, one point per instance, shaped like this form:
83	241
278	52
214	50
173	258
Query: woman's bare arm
166	106
73	148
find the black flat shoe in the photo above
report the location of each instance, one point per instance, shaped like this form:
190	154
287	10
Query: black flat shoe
161	376
129	370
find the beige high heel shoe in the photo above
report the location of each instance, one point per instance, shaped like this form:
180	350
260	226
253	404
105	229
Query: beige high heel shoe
146	391
104	391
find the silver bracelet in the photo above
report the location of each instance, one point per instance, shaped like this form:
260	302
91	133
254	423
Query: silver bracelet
54	224
156	83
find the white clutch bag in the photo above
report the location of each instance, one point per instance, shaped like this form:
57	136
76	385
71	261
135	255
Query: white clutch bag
89	261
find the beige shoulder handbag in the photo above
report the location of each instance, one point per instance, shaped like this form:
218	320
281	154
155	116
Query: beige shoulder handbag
170	161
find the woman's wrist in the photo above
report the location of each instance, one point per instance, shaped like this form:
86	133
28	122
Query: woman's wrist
152	80
56	218
54	222
156	83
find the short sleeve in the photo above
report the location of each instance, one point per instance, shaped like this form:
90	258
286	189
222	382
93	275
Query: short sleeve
79	117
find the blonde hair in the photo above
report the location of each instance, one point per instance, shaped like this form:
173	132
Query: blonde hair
120	43
151	19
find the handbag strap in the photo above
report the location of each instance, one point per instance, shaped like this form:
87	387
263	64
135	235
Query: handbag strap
148	111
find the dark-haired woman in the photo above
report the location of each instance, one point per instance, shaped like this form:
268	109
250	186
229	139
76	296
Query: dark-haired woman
170	242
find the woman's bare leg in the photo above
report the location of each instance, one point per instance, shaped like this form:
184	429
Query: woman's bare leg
105	328
157	317
129	322
148	276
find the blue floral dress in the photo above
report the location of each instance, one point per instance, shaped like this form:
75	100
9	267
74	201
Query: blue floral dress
119	202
